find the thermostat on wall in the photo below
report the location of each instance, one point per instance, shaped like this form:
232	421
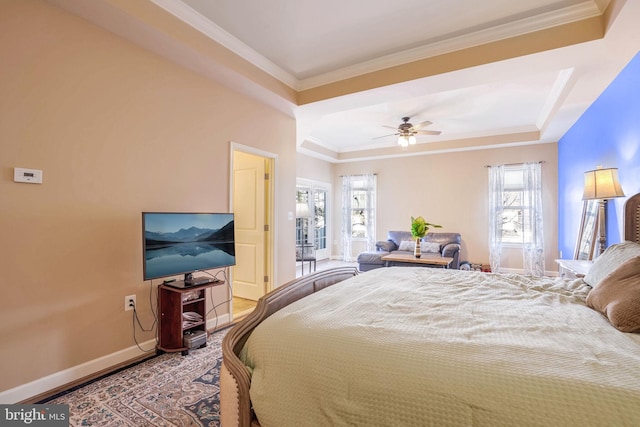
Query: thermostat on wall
31	176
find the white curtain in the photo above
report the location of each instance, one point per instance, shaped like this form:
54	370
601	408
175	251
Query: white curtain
533	247
346	218
532	227
370	222
496	189
367	183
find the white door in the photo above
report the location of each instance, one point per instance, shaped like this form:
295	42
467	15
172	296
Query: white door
320	224
250	219
312	225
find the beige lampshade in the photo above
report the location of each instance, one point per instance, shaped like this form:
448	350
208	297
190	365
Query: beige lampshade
602	184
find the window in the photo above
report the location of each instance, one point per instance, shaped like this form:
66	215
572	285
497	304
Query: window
515	214
358	212
362	208
512	206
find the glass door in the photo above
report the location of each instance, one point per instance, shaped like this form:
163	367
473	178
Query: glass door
320	222
312	199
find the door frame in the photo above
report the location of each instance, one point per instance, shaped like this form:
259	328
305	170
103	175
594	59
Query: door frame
270	202
314	185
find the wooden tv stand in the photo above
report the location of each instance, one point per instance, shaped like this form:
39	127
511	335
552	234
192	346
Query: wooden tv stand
173	303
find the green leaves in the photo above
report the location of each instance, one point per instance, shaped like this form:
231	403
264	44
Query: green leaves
419	227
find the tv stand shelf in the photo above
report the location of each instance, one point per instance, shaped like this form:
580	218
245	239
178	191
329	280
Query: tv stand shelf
173	303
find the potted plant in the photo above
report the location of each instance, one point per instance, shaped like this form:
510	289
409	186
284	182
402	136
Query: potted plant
420	227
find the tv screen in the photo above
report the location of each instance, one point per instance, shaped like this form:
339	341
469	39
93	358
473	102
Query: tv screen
182	243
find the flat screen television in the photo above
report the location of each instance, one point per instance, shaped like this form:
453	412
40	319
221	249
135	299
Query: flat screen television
176	243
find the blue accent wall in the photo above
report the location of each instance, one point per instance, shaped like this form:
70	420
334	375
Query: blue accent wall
607	134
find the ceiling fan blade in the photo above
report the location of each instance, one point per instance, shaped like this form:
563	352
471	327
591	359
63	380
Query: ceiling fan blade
384	136
422	124
390	127
428	132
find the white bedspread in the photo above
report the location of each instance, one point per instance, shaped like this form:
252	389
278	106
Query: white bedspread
419	346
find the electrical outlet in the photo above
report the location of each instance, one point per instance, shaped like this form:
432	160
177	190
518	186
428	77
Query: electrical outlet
127	302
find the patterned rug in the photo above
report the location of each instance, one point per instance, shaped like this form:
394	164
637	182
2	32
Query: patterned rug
167	390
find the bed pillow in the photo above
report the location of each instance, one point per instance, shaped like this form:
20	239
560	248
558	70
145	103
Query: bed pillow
407	245
430	247
613	257
617	296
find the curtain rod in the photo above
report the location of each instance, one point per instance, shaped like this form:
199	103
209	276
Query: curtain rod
515	164
358	174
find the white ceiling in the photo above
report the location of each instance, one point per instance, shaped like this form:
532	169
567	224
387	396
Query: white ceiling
306	44
309	38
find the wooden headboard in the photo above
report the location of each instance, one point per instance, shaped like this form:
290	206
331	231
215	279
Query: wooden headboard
632	219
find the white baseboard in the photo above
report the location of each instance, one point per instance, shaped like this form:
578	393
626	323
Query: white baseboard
221	320
521	271
75	373
511	270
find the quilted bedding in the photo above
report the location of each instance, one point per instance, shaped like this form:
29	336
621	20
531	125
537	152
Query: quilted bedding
420	346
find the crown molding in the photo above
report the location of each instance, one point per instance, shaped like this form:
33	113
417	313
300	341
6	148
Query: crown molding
198	21
570	14
540	22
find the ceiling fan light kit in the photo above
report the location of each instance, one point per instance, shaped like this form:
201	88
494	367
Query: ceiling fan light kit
407	132
406	140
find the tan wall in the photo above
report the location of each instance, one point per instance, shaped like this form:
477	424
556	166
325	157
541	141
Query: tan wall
117	131
308	167
451	190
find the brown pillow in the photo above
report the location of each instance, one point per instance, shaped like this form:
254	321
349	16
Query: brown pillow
617	296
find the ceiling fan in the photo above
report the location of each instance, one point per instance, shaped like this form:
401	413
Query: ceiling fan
407	132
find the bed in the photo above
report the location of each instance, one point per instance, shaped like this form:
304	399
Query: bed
420	346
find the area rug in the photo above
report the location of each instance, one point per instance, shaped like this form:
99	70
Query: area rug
167	390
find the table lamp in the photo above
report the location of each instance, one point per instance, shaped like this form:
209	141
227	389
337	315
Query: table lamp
602	184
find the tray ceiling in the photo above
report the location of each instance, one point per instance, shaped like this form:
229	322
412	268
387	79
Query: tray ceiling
504	73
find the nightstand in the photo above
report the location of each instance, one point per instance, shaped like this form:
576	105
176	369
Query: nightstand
573	268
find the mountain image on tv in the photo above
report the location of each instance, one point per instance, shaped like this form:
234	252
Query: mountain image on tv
176	243
192	234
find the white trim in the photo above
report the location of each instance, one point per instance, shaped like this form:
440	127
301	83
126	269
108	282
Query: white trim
539	22
520	271
423	153
501	32
75	373
313	182
235	146
326	186
252	150
561	87
218	321
201	23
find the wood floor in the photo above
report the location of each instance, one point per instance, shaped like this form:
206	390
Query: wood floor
242	307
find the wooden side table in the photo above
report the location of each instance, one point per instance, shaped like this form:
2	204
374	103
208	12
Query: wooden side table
573	268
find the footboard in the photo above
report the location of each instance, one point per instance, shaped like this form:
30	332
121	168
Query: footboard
235	403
